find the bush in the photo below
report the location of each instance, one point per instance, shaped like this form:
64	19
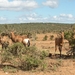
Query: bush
26	58
51	37
17	49
70	37
44	54
45	38
30	63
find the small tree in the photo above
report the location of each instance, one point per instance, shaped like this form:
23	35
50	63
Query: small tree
51	37
45	38
70	37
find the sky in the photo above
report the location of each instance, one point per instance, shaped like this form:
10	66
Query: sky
32	11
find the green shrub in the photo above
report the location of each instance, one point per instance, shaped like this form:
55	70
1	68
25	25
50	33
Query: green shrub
44	54
30	63
70	37
8	68
17	49
6	56
45	38
51	37
26	58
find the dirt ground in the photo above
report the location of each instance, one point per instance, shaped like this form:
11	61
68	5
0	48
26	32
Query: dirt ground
67	67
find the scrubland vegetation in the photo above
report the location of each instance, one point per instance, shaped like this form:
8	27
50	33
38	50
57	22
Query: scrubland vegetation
18	57
36	27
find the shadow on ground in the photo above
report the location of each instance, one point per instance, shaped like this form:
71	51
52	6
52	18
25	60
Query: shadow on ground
63	56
